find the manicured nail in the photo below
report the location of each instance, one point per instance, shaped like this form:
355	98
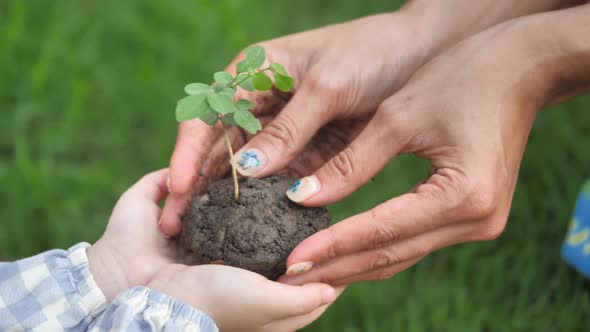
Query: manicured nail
303	188
329	295
168	184
298	268
249	162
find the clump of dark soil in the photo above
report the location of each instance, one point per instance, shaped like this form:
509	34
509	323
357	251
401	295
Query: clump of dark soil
257	232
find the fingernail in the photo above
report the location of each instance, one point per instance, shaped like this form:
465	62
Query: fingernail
303	188
248	162
168	184
329	295
298	268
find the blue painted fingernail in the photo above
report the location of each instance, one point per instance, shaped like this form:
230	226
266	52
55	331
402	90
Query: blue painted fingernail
249	162
303	188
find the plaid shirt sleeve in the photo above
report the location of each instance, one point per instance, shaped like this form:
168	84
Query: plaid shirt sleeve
55	291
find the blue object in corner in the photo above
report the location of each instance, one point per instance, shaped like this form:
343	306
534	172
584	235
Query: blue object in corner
576	249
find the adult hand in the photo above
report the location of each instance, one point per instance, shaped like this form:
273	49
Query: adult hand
335	80
469	112
133	253
342	72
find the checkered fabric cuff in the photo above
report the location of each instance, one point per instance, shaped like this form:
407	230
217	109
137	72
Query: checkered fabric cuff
53	291
144	309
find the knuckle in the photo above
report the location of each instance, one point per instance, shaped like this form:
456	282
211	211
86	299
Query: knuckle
281	132
481	202
331	251
384	258
343	165
333	92
491	229
329	87
383	233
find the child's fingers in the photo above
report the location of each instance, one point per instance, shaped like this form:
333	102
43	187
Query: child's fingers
289	301
296	323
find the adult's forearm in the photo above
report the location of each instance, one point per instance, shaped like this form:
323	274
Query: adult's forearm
565	39
447	22
554	63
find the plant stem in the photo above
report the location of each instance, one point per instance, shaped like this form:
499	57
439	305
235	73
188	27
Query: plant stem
234	84
233	168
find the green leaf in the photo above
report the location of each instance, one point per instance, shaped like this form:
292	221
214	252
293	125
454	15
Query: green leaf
223	77
247	121
278	68
229	119
242	66
210	117
221	103
191	107
248	85
261	82
243	105
198	89
228	92
255	56
284	82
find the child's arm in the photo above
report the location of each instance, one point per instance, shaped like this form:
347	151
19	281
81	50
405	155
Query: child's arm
105	286
56	291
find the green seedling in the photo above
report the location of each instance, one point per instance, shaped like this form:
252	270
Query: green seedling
215	103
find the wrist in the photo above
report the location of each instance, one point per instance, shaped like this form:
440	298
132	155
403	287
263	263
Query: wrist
107	272
557	64
443	22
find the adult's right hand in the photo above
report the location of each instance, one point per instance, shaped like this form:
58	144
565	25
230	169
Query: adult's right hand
343	72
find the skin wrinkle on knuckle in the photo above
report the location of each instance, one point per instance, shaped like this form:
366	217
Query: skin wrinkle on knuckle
281	133
382	233
343	165
385	257
331	251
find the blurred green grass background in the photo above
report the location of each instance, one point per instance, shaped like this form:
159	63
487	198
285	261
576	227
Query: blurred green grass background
87	93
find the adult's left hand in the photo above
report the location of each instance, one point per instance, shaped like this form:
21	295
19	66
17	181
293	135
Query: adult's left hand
469	112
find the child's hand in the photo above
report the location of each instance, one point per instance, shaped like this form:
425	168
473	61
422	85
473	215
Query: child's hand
240	300
133	253
131	250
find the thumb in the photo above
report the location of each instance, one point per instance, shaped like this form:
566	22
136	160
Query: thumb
375	146
285	137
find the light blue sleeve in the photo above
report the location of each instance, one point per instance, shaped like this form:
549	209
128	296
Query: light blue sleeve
55	291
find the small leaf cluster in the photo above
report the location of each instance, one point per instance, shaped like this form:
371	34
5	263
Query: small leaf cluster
215	102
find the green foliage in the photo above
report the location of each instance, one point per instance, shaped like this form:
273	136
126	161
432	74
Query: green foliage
283	81
198	89
222	77
221	103
212	102
193	106
261	82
